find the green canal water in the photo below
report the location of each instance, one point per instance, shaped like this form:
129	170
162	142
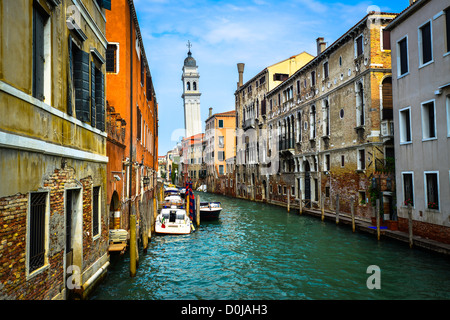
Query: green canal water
261	252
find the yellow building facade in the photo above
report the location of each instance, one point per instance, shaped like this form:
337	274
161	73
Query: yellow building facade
220	140
54	229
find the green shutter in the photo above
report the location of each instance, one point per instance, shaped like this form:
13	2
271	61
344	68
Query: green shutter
93	113
81	81
100	99
69	78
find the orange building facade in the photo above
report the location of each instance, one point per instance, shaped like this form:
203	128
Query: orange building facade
132	122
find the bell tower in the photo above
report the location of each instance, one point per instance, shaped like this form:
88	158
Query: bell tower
191	96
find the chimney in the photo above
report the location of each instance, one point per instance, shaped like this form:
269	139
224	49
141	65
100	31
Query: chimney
321	45
240	67
210	112
412	1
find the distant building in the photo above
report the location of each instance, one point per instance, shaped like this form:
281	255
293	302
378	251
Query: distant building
329	126
420	43
252	108
220	137
53	203
191	165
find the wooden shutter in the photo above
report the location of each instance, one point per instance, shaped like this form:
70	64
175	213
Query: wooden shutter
93	92
70	79
81	80
39	21
100	99
386	40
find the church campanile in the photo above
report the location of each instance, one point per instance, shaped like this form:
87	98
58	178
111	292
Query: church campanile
191	96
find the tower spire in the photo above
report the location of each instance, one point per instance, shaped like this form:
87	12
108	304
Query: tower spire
189	45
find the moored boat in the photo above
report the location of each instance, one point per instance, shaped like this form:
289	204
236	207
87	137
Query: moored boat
173	200
173	221
210	210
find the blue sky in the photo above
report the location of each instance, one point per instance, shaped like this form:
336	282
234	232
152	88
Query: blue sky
258	33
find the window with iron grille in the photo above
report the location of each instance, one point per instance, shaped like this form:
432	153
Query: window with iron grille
111	58
37	234
95	211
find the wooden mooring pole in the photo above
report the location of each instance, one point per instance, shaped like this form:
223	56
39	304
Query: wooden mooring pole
337	209
133	246
288	200
352	209
322	206
197	210
300	203
378	218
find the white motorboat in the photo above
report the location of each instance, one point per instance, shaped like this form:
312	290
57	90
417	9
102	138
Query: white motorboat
210	210
173	200
173	221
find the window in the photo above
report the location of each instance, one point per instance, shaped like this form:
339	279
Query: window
97	98
112	64
221	169
95	211
220	123
360	117
37	230
313	78
432	190
428	120
408	188
447	27
142	71
359	48
362	197
80	82
385	39
342	160
327	162
425	44
221	143
312	123
326	118
188	86
221	155
138	123
405	125
298	87
195	86
40	50
325	70
402	57
361	159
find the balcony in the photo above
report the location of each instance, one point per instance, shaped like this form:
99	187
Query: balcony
249	123
387	129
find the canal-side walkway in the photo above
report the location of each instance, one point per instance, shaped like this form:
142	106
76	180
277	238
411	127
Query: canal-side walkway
366	226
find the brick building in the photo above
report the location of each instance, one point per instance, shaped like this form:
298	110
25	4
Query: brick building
330	125
53	221
251	110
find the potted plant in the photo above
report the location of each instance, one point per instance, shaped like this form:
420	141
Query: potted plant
433	205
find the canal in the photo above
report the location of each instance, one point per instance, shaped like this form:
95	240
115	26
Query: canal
261	252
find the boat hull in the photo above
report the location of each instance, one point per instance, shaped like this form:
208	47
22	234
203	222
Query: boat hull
207	214
173	229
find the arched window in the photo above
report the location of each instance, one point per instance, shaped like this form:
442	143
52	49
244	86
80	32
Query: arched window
188	85
195	86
